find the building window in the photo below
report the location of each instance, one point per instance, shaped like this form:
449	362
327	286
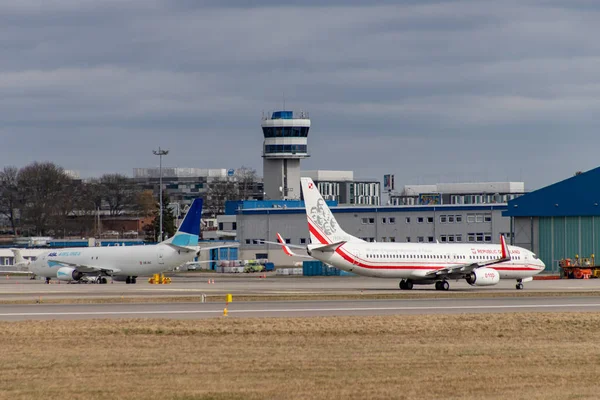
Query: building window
458	218
451	238
487	218
384	220
479	237
443	238
420	239
430	220
488	237
430	239
408	239
248	241
220	226
443	219
302	240
470	218
419	220
407	220
371	239
392	239
458	238
392	220
234	226
450	219
471	237
288	240
371	220
479	218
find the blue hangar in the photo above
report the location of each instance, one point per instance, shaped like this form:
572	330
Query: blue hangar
559	221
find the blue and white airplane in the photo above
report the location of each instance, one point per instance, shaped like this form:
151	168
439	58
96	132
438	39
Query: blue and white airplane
123	263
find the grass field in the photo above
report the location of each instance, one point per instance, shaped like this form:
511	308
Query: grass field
478	356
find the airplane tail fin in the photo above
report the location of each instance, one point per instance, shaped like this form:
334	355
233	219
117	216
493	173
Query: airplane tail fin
19	259
322	225
189	230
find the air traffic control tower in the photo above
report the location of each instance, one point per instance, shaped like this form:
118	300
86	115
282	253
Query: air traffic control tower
286	136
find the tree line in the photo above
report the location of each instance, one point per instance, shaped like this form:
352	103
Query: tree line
41	197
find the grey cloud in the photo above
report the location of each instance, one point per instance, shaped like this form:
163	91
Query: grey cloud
438	79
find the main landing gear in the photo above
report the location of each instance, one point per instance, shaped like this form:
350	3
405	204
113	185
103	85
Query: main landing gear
131	280
406	284
442	285
519	284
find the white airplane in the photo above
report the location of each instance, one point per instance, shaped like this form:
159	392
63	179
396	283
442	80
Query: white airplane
123	263
413	263
21	263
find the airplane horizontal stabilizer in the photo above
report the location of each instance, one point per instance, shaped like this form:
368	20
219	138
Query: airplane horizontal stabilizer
330	247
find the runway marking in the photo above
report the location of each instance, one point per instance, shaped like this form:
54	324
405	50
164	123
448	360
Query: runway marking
293	310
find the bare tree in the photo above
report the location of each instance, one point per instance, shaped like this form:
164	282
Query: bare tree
10	199
220	191
118	191
42	186
146	203
246	180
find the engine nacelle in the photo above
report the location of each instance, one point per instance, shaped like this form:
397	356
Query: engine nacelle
68	274
483	277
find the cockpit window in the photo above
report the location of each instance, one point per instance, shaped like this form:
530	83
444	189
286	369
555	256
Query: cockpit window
535	256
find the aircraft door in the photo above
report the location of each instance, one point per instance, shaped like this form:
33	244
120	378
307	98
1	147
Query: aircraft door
161	257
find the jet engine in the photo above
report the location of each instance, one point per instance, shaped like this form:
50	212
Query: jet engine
483	277
68	274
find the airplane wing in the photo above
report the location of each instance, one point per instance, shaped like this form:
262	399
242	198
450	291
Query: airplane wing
87	268
463	269
17	272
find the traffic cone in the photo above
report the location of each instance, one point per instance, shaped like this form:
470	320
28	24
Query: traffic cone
208	282
213	282
225	312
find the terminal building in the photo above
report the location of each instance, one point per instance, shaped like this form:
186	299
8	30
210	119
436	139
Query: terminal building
457	193
421	224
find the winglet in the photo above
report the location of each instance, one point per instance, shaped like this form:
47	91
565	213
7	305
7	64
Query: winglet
286	249
504	247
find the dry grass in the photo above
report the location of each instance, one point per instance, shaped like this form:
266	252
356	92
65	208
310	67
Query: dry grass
298	297
492	356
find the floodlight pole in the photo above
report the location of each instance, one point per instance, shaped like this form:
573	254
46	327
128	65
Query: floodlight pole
160	153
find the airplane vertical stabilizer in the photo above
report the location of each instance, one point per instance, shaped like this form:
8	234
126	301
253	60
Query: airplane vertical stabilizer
19	259
189	230
322	225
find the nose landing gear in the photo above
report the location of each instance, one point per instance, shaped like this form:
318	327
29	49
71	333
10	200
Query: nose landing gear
519	284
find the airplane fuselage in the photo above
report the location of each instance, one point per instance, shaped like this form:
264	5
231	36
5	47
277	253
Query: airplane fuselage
415	260
142	260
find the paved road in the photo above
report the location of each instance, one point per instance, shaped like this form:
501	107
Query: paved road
297	308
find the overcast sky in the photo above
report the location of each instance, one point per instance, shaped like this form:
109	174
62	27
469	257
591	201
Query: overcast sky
431	91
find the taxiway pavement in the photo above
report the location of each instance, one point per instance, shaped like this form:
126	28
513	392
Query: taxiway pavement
196	284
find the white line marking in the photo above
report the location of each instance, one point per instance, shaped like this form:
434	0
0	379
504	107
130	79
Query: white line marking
293	310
